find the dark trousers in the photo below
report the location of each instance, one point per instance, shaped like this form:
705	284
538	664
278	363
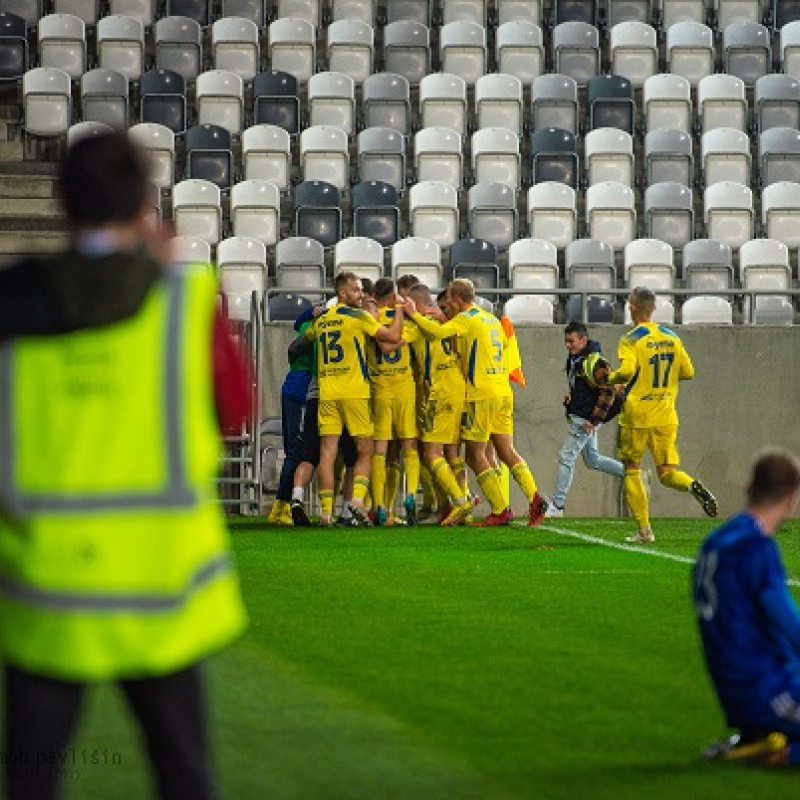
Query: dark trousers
291	423
42	714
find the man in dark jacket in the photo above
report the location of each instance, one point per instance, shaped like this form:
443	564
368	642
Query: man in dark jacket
590	402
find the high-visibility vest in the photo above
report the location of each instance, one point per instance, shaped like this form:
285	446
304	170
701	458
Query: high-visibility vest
114	555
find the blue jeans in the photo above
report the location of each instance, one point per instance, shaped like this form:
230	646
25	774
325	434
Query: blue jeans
292	421
579	442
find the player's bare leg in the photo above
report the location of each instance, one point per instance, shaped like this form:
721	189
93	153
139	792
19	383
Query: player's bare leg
504	447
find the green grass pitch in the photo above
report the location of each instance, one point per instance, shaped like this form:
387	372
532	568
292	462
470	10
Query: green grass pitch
444	664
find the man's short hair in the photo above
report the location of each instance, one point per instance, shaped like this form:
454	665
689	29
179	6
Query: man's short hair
367	285
342	279
775	476
643	299
420	293
383	288
405	282
577	327
463	289
103	180
441	296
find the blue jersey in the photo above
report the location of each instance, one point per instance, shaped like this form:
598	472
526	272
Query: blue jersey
749	621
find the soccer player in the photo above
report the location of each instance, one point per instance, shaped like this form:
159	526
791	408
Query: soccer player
587	405
341	333
393	405
652	362
405	283
489	408
749	622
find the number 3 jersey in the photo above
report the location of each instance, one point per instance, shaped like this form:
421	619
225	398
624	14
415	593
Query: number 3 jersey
652	361
341	333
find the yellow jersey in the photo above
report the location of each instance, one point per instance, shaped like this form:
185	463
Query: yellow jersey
341	333
482	342
439	365
652	362
392	374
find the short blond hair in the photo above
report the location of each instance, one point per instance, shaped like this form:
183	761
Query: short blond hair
463	289
643	299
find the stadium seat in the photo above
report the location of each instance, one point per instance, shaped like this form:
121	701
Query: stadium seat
209	155
721	103
286	307
609	156
475	11
597	310
498	102
300	263
533	264
589	265
667	103
407	50
325	156
462	50
443	102
414	10
552	213
618	11
276	101
376	213
143	10
292	48
731	11
188	251
583	11
433	212
159	142
87	10
29	10
197	210
522	10
690	51
332	101
85	130
256	211
780	212
728	213
104	98
611	214
707	265
519	50
179	46
387	102
668	157
784	12
576	48
669	213
747	51
554	155
46	102
62	43
764	265
254	10
120	45
219	100
242	264
266	155
361	10
610	100
554	103
777	102
235	46
674	11
725	154
476	260
162	99
318	212
496	157
198	10
529	308
360	255
418	256
790	49
438	156
306	10
650	263
382	156
13	47
706	310
351	49
634	51
779	155
493	213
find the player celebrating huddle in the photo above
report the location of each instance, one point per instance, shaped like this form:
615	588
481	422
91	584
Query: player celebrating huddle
490	401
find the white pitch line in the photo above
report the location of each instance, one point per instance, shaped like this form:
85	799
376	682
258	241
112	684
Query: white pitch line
648	551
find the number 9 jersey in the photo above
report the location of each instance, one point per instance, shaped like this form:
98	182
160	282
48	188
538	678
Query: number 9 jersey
653	359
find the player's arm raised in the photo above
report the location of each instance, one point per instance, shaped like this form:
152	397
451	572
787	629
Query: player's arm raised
430	328
390	337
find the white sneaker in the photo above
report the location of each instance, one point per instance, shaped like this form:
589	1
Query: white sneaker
553	511
644	536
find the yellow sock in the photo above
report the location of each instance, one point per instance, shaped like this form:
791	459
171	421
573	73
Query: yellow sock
492	491
326	503
444	476
525	480
676	479
412	469
459	467
392	484
637	497
360	488
378	486
426	482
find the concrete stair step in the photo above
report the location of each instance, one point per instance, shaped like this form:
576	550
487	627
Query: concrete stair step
33	224
15	244
29	168
27	186
11	151
32	207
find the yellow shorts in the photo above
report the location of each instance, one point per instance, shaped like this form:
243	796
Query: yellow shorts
395	417
441	419
353	414
661	442
483	418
